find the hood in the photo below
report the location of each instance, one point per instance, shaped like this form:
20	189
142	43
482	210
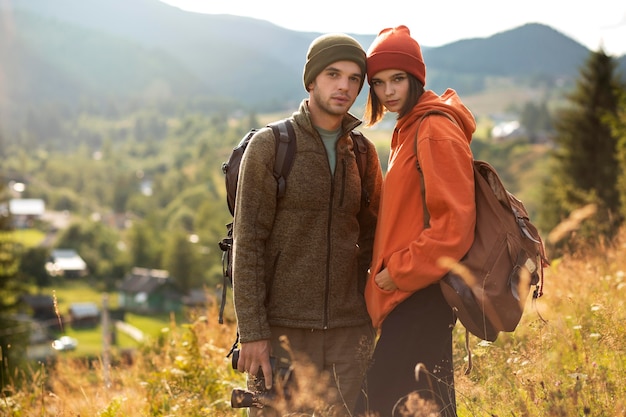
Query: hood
448	102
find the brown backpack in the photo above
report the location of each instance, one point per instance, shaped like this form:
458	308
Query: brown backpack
487	288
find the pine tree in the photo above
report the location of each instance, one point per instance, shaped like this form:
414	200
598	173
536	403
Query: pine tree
180	259
584	165
13	333
618	125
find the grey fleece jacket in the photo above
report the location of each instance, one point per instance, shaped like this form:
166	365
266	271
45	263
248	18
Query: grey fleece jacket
301	261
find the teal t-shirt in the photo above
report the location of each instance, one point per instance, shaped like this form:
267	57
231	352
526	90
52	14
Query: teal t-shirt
329	137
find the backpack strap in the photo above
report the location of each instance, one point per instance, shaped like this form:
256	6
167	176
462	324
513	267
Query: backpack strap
360	151
285	136
226	245
417	161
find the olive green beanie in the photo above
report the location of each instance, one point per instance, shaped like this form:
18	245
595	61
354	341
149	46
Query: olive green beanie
330	48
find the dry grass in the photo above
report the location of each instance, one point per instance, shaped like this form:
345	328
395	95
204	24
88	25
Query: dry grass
566	358
568	355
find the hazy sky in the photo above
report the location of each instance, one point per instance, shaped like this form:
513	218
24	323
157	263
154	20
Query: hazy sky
436	22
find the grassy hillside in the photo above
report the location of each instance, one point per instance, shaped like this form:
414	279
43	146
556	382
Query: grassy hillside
566	358
29	238
90	339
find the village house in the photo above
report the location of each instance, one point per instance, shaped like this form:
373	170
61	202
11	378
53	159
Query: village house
83	315
146	290
25	211
66	263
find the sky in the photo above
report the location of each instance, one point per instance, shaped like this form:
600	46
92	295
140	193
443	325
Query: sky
595	24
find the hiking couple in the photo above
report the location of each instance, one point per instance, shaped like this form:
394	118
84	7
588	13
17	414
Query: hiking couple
338	278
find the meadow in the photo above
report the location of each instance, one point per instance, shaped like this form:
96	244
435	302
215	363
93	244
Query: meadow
566	358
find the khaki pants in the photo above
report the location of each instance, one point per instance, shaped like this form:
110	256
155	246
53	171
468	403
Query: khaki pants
328	367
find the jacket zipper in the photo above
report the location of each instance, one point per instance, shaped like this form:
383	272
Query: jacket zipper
344	164
328	255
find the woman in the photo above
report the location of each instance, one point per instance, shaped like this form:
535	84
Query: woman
416	227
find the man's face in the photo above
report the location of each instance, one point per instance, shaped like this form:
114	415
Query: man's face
336	87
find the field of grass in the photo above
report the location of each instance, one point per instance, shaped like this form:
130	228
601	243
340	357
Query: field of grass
76	291
566	358
90	340
29	237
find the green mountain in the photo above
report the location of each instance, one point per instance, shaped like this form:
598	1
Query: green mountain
53	60
528	50
89	53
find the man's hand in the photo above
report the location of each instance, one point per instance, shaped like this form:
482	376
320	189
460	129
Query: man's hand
255	355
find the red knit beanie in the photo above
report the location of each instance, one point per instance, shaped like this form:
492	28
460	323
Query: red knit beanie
394	48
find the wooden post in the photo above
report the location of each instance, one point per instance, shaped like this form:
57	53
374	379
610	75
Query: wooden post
106	342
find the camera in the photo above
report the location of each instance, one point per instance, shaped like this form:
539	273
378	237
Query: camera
258	396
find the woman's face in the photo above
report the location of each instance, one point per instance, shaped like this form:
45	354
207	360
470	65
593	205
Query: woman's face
391	88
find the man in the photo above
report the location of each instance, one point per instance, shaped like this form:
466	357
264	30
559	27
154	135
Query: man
300	263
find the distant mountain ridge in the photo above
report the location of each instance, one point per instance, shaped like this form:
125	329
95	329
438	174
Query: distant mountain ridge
529	49
71	50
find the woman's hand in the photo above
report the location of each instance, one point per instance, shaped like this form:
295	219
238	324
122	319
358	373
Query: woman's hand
384	281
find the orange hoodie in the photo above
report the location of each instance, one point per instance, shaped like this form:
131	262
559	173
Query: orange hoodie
402	244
